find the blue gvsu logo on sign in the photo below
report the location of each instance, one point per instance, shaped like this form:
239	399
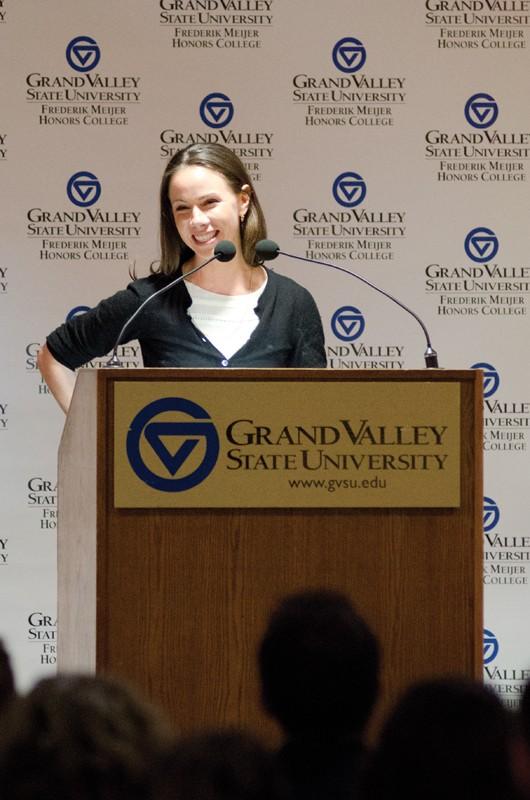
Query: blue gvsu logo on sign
491	646
347	323
349	189
181	453
481	245
83	53
216	110
491	514
481	110
83	189
491	377
76	311
349	55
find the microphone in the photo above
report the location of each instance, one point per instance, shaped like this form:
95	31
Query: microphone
223	251
267	250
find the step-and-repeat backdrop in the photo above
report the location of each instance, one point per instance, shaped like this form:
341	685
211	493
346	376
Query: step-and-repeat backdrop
389	138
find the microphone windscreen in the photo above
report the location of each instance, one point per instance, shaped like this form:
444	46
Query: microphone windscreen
266	250
224	251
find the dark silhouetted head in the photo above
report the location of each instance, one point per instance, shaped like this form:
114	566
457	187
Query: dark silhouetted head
7	679
319	665
219	765
445	738
79	738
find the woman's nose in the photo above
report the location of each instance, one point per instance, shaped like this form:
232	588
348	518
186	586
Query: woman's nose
198	217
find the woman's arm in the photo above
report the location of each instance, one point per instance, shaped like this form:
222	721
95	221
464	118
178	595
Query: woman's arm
59	378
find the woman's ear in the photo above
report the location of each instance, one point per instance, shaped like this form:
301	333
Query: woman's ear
244	198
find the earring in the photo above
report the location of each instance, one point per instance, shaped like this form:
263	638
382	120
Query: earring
242	217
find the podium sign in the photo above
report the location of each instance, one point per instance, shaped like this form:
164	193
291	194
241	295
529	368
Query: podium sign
316	444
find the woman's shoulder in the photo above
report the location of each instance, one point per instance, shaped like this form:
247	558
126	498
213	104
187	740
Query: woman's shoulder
287	287
148	285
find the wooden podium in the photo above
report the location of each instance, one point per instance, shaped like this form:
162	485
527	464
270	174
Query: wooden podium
175	600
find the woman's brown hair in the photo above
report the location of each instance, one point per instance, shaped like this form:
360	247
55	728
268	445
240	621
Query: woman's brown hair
217	157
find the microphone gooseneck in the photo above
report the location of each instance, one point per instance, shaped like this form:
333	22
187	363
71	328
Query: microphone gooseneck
223	251
267	250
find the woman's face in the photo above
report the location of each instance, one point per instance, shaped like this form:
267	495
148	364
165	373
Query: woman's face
205	208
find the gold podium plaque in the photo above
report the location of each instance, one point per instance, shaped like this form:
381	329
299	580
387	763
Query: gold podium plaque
238	444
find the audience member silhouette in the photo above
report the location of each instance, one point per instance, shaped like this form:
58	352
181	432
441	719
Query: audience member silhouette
80	738
7	680
219	765
444	739
521	750
319	666
524	715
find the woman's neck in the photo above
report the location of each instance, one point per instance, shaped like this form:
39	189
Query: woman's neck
234	277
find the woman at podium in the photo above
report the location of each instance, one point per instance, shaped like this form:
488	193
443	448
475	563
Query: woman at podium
232	313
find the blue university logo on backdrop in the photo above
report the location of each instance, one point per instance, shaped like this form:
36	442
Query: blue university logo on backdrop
491	646
481	110
216	110
83	189
349	189
491	378
76	312
349	54
481	245
172	443
347	323
490	514
83	53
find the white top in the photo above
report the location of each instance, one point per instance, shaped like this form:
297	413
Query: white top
227	320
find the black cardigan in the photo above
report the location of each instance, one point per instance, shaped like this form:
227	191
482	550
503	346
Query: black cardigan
289	332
